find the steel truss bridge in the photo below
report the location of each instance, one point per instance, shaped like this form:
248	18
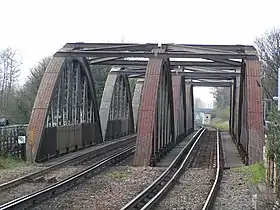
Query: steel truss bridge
66	116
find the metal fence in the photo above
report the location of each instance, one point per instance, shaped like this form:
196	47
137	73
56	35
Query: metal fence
13	141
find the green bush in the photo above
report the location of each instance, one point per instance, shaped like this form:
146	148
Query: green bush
255	173
220	124
10	162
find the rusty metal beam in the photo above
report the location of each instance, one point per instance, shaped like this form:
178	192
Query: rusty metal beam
187	74
161	55
215	65
235	48
211	84
113	46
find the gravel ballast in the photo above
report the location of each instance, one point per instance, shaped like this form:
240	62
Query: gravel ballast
234	192
111	189
30	187
190	191
10	174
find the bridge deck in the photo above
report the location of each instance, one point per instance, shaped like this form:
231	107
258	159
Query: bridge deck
83	151
232	157
167	160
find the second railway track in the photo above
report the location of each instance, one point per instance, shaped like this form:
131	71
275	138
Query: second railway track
202	151
19	193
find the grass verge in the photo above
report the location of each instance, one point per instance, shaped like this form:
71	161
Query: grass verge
220	124
255	173
117	174
10	163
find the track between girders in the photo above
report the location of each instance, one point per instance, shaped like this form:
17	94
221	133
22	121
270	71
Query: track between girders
202	151
50	179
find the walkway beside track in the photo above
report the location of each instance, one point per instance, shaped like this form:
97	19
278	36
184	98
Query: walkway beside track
167	160
84	151
232	157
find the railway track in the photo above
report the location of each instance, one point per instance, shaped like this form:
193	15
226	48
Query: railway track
192	155
19	192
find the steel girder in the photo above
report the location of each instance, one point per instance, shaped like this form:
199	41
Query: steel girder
208	64
66	96
129	54
143	54
136	101
155	134
116	112
191	75
179	104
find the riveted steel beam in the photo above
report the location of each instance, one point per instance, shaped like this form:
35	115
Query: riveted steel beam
196	74
168	46
211	84
212	65
113	46
146	54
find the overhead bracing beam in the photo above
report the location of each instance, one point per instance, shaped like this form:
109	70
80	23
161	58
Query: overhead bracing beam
232	48
147	54
187	74
214	65
211	84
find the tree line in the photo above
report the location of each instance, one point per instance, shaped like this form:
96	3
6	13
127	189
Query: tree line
268	48
16	102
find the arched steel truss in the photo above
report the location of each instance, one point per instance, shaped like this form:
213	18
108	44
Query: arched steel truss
155	133
73	99
189	106
116	106
136	101
179	102
66	96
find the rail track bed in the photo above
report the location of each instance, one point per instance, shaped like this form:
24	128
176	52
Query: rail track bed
111	189
196	181
192	178
14	191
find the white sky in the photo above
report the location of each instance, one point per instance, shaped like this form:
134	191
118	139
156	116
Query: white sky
37	28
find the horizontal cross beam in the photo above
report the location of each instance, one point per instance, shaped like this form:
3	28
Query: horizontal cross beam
236	48
114	47
214	65
211	84
143	54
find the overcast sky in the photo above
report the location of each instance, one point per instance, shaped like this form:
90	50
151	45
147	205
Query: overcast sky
37	28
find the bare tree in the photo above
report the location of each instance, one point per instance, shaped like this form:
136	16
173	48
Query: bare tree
9	74
268	46
26	95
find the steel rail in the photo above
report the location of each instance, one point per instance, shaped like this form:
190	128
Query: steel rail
57	188
110	146
149	196
211	196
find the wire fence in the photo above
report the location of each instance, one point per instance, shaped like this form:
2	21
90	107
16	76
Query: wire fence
13	141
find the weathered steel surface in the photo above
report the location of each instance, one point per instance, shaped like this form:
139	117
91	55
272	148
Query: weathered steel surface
179	104
116	107
254	111
136	101
56	103
153	111
156	114
189	106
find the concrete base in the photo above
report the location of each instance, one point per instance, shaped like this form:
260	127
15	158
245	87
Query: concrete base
232	157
